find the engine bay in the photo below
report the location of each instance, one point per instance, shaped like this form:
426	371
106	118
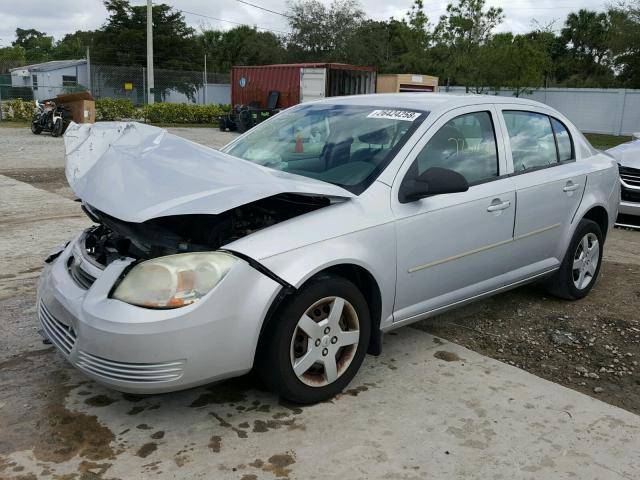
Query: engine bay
113	238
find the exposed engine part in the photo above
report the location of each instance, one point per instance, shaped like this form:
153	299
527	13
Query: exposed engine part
114	238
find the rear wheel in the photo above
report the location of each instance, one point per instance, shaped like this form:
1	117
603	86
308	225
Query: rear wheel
581	265
58	127
317	341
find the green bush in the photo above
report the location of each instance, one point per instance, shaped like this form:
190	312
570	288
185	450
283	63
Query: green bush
115	109
183	113
17	109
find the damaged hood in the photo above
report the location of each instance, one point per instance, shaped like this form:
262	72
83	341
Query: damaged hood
137	172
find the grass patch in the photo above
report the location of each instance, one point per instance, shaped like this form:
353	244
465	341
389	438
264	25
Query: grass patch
604	142
185	125
22	124
14	124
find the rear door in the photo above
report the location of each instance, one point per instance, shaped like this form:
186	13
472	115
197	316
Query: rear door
549	186
313	83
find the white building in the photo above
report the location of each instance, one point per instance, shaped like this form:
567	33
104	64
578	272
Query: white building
51	78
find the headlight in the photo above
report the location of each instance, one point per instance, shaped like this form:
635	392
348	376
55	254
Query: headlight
175	280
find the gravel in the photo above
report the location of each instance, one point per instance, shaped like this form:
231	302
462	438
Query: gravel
21	149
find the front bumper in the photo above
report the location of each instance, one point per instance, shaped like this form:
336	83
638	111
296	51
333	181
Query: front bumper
629	208
140	350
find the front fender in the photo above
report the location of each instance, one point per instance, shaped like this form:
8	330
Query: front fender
373	249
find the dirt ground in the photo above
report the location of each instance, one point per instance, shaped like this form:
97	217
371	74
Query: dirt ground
592	345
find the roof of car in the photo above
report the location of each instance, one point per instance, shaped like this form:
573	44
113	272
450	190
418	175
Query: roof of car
426	101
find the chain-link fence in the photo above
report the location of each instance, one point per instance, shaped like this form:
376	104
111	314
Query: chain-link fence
129	82
173	86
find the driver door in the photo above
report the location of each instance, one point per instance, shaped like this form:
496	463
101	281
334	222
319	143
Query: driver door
451	247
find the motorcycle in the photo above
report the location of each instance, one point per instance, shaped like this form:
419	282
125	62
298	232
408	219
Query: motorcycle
49	117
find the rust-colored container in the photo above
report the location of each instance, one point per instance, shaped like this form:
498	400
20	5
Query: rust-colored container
299	82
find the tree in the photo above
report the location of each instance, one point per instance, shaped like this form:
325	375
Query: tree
37	45
625	42
397	46
555	50
11	57
465	28
321	33
241	46
122	41
515	62
587	35
73	45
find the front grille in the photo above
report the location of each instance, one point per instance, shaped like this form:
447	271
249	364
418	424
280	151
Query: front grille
629	195
130	372
82	278
61	335
630	176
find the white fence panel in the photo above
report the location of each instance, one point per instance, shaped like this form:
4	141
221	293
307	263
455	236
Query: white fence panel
631	115
614	111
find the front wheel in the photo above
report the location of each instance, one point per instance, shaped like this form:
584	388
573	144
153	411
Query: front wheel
36	129
581	265
316	342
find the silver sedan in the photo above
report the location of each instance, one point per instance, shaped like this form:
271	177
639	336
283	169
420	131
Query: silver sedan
628	157
293	249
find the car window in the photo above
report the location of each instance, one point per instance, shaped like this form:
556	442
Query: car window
563	139
532	141
347	145
465	144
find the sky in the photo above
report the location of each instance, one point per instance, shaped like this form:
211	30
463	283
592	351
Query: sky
67	16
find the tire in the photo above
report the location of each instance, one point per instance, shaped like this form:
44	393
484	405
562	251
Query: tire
58	127
35	128
241	125
285	343
576	277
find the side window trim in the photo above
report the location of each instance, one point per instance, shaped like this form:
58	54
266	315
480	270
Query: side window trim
555	140
573	149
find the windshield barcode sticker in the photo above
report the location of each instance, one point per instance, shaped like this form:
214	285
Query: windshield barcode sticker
395	115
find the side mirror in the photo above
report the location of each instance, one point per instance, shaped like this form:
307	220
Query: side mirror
433	181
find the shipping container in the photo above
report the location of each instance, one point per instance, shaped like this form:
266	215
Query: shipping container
406	82
300	82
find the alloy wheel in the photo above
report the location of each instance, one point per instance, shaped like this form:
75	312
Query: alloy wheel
585	261
325	341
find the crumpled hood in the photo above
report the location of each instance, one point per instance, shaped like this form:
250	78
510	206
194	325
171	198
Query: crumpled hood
627	154
136	172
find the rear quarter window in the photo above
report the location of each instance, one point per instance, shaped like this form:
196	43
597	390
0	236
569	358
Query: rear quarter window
563	140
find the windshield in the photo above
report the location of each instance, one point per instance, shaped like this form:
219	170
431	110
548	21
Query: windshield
347	145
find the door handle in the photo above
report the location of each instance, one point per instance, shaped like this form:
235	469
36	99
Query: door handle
571	187
494	207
